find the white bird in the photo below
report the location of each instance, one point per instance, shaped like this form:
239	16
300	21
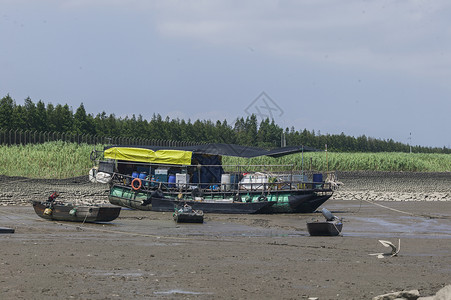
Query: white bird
394	250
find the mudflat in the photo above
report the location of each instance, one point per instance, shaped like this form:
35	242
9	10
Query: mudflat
148	255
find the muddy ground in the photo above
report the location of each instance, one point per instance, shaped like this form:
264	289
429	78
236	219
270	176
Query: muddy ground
147	255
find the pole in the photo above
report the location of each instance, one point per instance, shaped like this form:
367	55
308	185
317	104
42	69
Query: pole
327	161
410	142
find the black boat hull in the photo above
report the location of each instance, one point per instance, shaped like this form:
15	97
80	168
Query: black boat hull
278	202
192	217
324	228
167	204
89	214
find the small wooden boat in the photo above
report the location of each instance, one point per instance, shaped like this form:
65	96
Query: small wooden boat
6	230
187	214
58	211
331	227
324	228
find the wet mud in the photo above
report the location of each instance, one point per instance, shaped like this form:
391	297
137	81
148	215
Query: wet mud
145	255
148	255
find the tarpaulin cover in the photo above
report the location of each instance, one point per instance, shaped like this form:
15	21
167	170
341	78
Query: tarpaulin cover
182	155
139	154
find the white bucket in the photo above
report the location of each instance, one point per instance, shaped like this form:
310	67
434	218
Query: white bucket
225	182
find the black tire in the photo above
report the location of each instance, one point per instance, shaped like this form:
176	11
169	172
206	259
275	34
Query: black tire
197	193
262	198
157	194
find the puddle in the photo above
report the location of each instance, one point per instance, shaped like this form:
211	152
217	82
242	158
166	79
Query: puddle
125	274
406	226
175	292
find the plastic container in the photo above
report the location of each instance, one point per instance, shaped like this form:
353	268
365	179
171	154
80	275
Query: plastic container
161	171
135	174
317	178
161	178
254	181
171	181
181	179
225	182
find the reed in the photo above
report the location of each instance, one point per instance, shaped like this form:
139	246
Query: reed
49	160
65	160
384	161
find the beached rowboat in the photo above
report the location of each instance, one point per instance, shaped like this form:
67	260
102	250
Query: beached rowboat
187	214
331	227
59	211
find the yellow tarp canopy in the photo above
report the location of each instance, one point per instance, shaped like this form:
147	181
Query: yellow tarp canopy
172	157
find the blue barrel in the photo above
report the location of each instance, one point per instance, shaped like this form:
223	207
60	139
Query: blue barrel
135	174
317	181
171	181
317	178
143	176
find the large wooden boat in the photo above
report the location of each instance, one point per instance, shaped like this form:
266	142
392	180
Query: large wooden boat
59	211
160	178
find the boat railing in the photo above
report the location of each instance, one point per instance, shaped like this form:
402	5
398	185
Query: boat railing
241	183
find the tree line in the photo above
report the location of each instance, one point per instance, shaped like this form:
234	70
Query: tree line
246	131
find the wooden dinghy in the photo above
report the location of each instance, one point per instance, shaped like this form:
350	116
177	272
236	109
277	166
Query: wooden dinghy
59	211
187	214
331	227
6	230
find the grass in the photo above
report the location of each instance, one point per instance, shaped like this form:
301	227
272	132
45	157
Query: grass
385	161
65	160
48	160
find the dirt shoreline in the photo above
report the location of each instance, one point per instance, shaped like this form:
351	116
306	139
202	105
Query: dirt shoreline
146	255
368	185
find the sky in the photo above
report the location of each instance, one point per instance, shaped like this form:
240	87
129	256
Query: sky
376	68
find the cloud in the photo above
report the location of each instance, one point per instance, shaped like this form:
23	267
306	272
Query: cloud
389	35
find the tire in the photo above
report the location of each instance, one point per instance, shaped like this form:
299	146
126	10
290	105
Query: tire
197	193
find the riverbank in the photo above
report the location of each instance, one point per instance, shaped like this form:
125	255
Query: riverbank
394	186
363	185
147	255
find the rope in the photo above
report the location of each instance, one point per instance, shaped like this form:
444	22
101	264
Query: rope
339	231
78	227
408	213
86	216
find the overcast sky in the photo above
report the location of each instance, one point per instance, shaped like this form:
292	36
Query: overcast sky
375	68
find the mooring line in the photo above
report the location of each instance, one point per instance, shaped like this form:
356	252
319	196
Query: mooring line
408	213
78	227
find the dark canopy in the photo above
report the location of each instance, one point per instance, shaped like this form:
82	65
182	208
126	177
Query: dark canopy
229	150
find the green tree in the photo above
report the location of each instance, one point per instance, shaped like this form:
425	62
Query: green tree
63	118
41	123
30	115
19	118
6	112
83	123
